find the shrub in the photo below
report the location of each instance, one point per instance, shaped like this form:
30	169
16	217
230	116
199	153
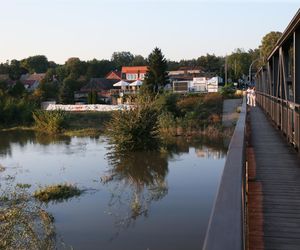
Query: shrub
15	111
50	121
188	103
228	91
135	129
57	192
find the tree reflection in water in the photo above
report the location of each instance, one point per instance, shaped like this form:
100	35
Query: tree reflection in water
137	178
25	137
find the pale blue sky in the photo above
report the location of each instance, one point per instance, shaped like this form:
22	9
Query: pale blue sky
183	29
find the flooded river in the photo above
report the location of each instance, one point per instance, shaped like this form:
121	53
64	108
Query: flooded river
136	201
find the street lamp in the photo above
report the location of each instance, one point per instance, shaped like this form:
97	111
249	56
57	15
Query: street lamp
251	68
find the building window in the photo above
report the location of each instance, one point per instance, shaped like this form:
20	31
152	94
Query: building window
131	76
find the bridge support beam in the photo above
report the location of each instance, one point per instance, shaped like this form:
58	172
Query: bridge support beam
297	66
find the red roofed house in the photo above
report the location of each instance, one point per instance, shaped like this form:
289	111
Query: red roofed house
114	74
133	73
31	82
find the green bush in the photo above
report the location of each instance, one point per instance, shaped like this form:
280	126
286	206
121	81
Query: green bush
135	130
50	121
15	111
228	91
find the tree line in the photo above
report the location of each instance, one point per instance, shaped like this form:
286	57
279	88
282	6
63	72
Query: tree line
61	81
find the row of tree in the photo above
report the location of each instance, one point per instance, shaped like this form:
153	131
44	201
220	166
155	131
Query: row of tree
238	63
61	81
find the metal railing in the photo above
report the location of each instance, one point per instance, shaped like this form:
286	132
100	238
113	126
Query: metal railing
227	221
284	114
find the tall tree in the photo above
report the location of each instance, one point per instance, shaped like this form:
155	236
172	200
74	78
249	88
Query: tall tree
156	76
238	64
139	60
16	70
268	43
75	67
17	90
123	58
97	68
66	93
37	64
211	63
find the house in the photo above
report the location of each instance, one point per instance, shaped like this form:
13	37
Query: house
213	84
133	73
32	81
197	84
102	86
114	74
30	85
185	73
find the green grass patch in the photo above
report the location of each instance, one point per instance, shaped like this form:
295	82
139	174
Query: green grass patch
83	132
88	120
57	192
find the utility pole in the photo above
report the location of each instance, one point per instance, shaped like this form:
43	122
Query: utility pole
225	70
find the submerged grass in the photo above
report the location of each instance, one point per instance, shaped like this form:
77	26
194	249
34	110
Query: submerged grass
24	224
57	192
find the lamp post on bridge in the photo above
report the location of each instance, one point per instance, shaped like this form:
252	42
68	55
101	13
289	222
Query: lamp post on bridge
250	67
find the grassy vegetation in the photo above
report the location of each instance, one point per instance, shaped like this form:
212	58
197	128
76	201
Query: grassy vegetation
50	121
23	223
57	192
190	114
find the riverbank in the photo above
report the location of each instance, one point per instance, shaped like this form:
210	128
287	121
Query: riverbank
78	124
189	115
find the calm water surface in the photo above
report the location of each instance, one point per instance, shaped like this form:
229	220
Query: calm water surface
139	201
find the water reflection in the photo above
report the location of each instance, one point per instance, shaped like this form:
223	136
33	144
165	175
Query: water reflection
23	138
155	200
136	179
204	147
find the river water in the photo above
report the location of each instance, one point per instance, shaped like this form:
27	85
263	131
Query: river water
138	201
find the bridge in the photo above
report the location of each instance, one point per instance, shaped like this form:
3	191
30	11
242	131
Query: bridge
258	201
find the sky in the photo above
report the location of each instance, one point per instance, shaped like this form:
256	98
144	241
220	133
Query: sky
182	29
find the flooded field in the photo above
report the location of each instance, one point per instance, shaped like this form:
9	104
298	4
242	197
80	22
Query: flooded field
135	201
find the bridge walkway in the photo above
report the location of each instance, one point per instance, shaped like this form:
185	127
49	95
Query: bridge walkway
274	187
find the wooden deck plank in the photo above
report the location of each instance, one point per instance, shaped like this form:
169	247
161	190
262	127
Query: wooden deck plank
277	171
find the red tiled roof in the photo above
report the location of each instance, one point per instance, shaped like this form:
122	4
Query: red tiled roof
135	69
36	77
114	75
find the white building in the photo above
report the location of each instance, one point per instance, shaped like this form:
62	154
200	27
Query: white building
198	84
